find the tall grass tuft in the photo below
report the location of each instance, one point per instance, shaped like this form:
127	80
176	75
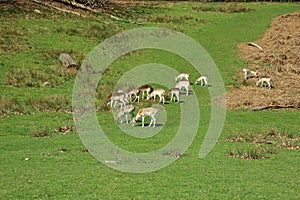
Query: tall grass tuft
11	105
100	31
50	103
225	8
54	103
41	132
34	77
249	153
176	19
13	39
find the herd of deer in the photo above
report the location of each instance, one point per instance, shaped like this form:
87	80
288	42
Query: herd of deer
124	99
262	80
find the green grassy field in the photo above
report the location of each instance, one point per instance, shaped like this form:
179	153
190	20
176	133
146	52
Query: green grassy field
58	166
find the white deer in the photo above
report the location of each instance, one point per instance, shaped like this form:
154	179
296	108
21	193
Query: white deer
126	110
175	92
264	80
143	112
157	92
183	84
183	75
203	80
145	89
248	73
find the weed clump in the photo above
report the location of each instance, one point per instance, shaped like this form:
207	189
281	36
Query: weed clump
41	132
260	145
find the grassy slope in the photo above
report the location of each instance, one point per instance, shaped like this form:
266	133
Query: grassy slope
77	175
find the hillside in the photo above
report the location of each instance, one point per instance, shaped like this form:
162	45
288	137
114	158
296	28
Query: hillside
278	59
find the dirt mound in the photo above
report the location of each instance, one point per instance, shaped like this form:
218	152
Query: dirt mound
278	59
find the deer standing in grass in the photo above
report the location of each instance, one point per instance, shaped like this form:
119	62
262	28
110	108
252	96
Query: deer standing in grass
126	110
264	80
183	75
175	92
144	112
183	84
248	73
133	92
145	89
113	98
157	92
203	80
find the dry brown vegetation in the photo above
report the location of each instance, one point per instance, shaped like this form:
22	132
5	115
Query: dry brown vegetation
278	59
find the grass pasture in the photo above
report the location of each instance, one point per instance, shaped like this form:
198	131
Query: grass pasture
41	154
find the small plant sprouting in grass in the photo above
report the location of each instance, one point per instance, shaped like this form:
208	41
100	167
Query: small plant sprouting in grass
225	8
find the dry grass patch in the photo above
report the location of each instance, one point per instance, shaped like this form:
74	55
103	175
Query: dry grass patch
278	59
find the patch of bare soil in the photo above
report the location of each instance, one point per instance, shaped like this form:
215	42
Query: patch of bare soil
278	59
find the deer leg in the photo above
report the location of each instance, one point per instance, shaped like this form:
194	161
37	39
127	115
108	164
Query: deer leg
150	122
154	121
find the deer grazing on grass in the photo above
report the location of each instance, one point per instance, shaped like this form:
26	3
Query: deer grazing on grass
203	80
119	97
183	84
145	89
248	73
264	80
175	92
144	112
182	76
157	92
126	110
